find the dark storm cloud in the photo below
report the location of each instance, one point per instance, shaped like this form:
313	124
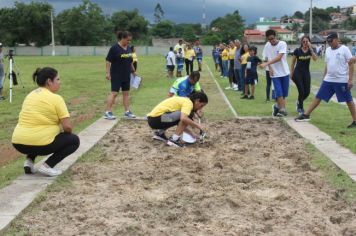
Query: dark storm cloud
191	11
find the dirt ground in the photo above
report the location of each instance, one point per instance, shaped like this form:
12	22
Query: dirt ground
249	178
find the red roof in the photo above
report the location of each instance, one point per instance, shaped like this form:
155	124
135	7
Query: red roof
280	30
254	32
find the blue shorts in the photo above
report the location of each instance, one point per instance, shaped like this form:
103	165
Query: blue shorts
328	89
180	67
281	86
199	59
250	81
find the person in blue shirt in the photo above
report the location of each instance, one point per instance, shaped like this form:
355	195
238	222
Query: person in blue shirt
184	86
198	53
353	49
251	72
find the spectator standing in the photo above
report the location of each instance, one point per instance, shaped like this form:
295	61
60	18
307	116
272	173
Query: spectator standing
216	55
244	55
338	79
299	71
232	78
353	50
179	62
199	54
251	72
276	52
237	65
225	61
170	62
134	57
189	56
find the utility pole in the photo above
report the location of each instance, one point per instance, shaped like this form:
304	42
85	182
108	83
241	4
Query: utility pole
311	19
204	16
52	31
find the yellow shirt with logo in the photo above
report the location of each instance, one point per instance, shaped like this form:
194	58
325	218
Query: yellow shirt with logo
244	57
39	119
225	55
232	53
183	104
189	54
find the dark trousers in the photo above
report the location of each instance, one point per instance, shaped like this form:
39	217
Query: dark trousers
62	146
268	85
232	76
302	81
243	78
221	67
188	66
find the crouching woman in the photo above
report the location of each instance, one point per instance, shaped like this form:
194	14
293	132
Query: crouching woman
44	126
176	111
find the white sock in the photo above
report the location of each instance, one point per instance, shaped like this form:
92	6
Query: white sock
175	137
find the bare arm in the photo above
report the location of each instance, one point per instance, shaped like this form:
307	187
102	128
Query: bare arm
108	65
274	60
185	119
66	125
351	74
294	60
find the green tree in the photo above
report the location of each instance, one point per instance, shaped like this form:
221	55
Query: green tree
163	29
229	27
211	38
82	25
130	21
26	23
188	34
298	15
158	13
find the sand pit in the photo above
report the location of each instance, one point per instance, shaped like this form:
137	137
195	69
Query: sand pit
249	178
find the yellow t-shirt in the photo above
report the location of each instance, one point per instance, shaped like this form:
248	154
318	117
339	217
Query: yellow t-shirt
39	119
232	53
183	104
244	57
134	57
189	54
225	55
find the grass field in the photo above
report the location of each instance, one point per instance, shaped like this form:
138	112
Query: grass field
84	90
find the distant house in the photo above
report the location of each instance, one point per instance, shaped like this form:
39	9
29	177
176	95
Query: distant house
340	32
337	18
351	35
254	36
348	10
265	23
284	34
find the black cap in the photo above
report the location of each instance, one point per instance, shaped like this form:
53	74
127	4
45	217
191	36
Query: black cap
331	36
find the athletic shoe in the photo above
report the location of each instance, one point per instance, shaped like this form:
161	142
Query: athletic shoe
49	171
160	136
29	166
282	114
109	116
274	110
244	97
251	97
174	143
227	88
129	114
302	118
300	111
352	125
234	86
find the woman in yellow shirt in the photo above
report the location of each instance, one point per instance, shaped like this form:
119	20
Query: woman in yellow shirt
225	60
44	127
244	56
134	57
232	80
189	56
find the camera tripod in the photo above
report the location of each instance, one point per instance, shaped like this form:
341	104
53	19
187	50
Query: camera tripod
12	75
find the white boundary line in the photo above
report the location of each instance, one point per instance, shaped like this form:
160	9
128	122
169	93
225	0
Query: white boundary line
223	94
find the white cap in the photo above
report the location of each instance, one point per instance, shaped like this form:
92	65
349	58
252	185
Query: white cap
0	44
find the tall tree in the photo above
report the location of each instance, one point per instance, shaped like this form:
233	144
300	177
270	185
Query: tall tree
82	25
298	15
164	29
158	13
229	27
130	21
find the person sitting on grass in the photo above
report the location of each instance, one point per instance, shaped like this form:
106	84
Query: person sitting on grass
184	86
176	111
251	72
44	126
338	78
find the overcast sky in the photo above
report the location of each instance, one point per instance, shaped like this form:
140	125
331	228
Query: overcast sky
190	11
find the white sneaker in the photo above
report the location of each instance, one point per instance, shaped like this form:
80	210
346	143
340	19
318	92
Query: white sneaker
49	171
227	88
29	166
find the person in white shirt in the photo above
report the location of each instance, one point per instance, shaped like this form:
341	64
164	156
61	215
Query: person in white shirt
276	52
2	75
338	78
170	62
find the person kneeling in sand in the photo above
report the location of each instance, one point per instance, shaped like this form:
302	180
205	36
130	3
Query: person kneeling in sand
176	111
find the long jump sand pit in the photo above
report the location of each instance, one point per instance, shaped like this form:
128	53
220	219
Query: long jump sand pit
249	178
